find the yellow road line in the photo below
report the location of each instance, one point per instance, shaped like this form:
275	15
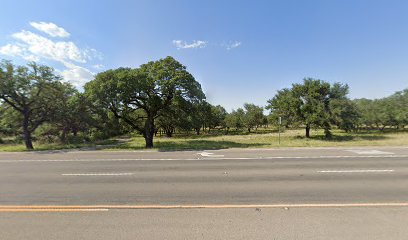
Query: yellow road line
106	207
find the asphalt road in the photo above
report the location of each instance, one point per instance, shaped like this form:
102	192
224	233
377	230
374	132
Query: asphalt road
252	193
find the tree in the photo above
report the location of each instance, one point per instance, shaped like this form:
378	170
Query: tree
345	114
175	116
198	115
32	91
285	105
308	103
9	119
151	88
235	119
253	117
73	114
389	111
217	117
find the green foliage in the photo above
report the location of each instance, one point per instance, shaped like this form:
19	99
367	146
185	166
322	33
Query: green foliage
151	88
391	111
309	104
345	114
253	117
33	91
217	116
163	96
235	119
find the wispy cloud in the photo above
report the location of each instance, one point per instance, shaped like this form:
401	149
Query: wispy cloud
34	47
181	44
98	66
233	45
184	45
50	28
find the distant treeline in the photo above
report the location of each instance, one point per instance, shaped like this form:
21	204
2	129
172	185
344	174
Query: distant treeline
162	96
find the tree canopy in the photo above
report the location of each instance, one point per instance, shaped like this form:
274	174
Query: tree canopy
140	95
309	104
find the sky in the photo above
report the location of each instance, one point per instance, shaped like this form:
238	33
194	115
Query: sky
240	51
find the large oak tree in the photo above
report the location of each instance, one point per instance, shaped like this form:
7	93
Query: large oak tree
138	96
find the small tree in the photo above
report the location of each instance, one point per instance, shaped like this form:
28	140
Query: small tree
235	119
253	117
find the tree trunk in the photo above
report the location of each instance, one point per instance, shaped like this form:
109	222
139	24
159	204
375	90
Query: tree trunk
169	133
197	130
64	134
327	132
149	132
27	134
307	130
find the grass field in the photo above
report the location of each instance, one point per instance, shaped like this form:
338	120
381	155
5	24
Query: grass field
292	138
260	139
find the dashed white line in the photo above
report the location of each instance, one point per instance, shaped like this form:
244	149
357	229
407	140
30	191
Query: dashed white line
97	174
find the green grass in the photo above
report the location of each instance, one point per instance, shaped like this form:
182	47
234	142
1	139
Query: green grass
11	147
264	138
291	138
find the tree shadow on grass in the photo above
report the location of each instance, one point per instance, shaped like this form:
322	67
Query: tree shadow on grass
70	147
202	145
346	138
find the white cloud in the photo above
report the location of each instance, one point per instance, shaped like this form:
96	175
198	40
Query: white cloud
98	66
11	50
233	45
33	47
180	44
184	45
46	48
77	75
31	58
50	28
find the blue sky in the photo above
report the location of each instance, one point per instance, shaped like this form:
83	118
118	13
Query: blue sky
240	51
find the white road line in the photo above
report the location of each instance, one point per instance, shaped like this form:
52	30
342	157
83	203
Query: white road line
97	174
208	154
196	159
369	152
358	171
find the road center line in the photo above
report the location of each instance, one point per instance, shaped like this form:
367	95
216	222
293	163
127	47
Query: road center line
97	174
358	171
